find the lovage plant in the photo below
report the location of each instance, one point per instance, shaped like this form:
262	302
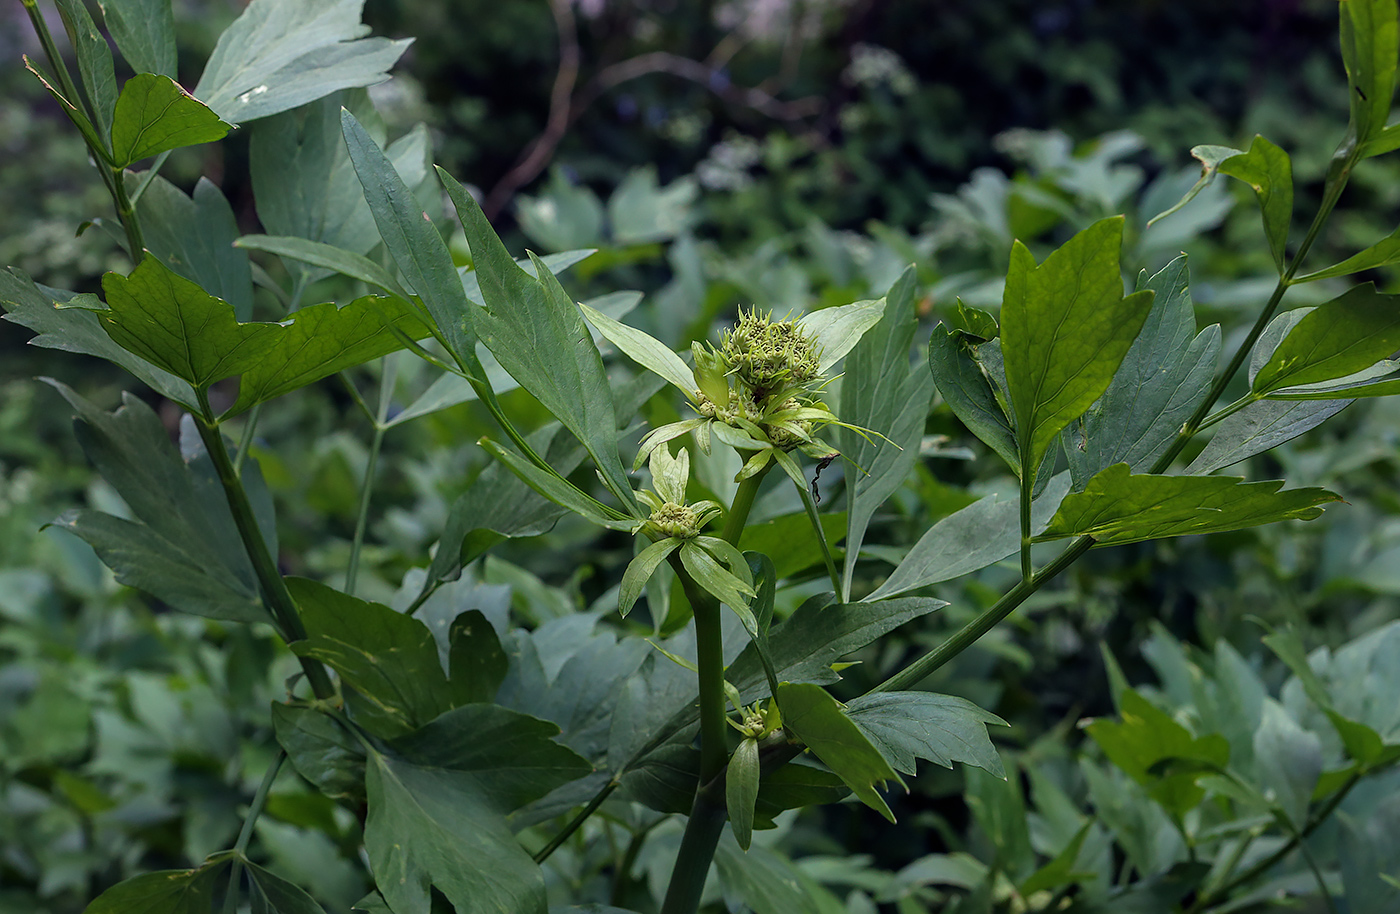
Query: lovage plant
472	751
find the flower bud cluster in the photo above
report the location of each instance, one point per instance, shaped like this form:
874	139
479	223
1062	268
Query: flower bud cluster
768	355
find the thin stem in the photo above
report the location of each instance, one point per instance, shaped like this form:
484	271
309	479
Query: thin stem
985	622
362	517
274	589
1226	412
245	440
60	69
558	840
148	176
245	835
1027	487
126	211
1311	861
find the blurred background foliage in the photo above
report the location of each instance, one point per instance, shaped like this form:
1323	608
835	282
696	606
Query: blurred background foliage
775	152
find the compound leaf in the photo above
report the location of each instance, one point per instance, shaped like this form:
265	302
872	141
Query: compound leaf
906	726
818	720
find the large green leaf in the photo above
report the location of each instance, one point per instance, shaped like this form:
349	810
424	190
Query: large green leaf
476	664
1287	762
818	720
511	758
194	236
390	660
144	31
414	244
155	115
906	726
1338	338
277	894
75	329
283	53
1260	426
1146	738
981	534
765	882
1370	42
94	62
1065	328
433	827
1268	170
1118	507
305	185
321	750
164	892
882	394
183	546
537	334
1161	382
174	324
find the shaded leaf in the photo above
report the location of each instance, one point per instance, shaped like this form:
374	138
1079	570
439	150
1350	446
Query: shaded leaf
321	750
741	790
881	393
1369	49
641	212
767	882
560	491
1381	254
981	534
164	892
278	55
476	662
640	570
154	115
325	258
818	720
1117	507
1145	738
1065	328
281	896
194	236
790	540
1260	426
79	330
95	63
1287	762
906	726
144	31
959	377
1160	383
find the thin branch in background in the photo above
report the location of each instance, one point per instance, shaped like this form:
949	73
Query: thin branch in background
565	107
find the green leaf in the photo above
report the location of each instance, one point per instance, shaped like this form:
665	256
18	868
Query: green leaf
511	758
1065	328
766	882
1335	339
998	806
906	726
567	215
1287	762
164	892
537	334
430	827
836	331
1368	858
1145	738
959	377
1267	169
741	790
183	546
1260	426
880	393
981	534
1117	507
155	115
1161	382
281	896
194	236
1060	871
1370	43
645	350
560	491
817	719
94	62
278	55
388	659
720	583
790	540
321	750
414	244
640	570
95	142
476	662
325	258
305	184
79	330
318	341
144	31
793	786
1362	743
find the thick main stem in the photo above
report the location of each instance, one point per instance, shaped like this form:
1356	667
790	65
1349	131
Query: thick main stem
274	589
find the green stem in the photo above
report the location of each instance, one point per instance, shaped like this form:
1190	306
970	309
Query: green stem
245	440
985	622
246	834
743	503
1027	487
362	518
558	840
697	849
126	211
274	589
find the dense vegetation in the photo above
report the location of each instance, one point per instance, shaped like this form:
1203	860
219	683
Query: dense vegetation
1201	722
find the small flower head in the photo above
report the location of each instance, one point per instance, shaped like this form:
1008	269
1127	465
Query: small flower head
768	355
670	515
